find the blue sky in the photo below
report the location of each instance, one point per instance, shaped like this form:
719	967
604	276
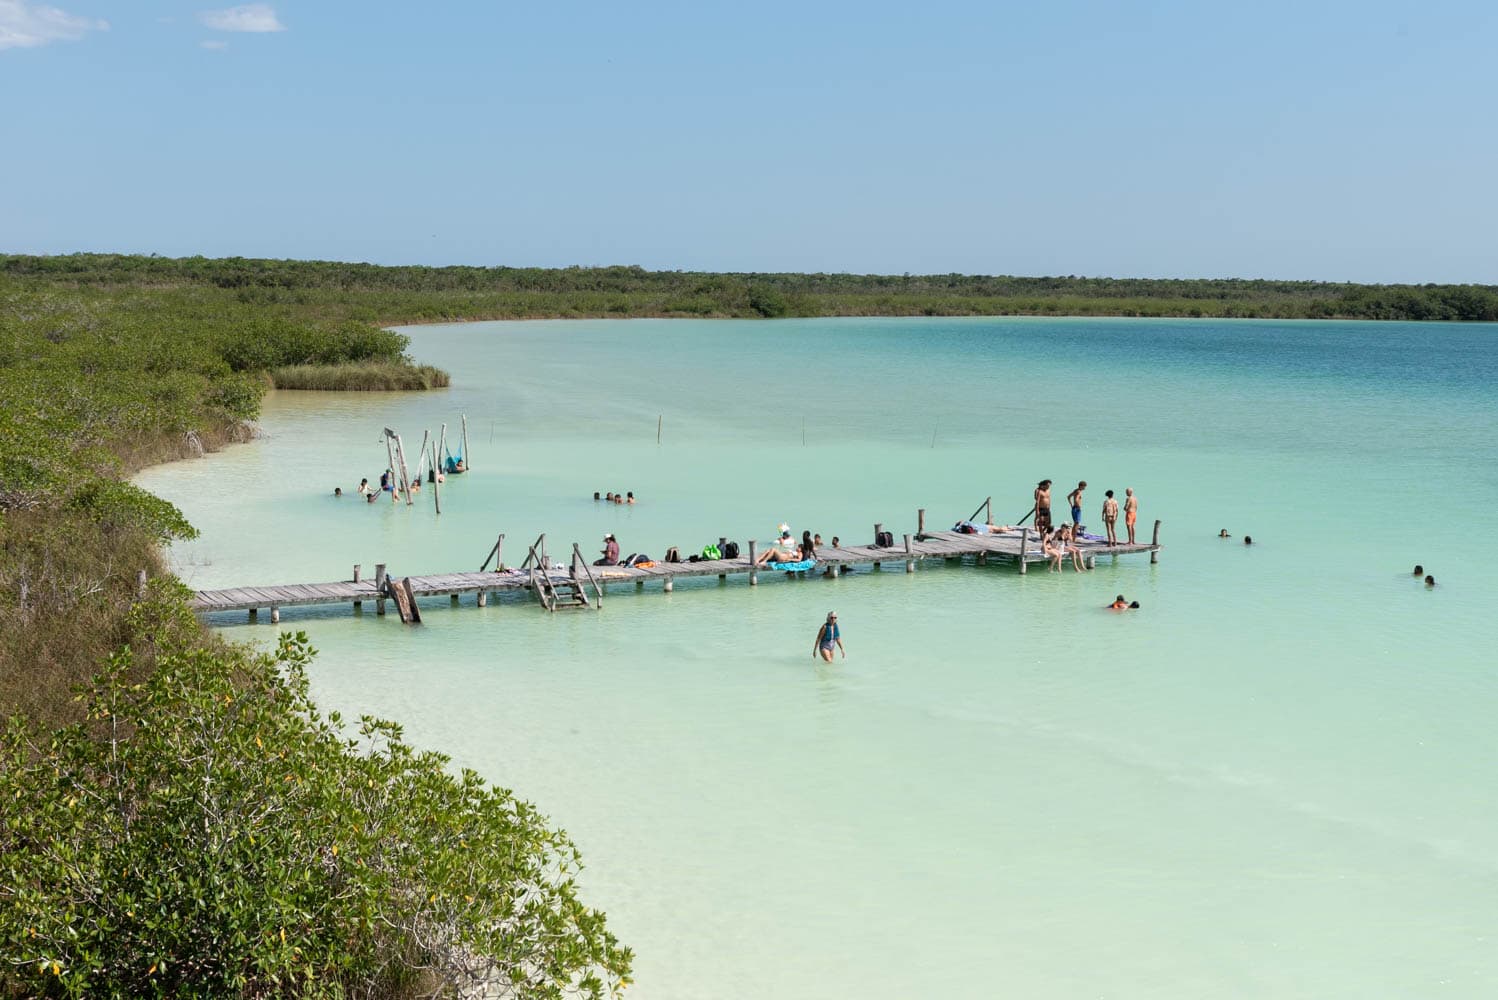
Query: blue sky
1336	141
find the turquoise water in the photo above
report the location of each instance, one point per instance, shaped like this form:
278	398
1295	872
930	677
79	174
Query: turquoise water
1274	780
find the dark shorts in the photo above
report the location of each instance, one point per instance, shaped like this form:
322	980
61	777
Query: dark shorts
1076	515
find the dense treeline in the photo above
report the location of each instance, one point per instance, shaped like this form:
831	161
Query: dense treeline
367	292
192	826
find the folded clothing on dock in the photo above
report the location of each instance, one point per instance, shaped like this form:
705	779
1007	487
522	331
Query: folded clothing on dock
792	567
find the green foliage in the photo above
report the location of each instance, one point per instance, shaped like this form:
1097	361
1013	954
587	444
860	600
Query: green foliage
359	376
126	506
207	833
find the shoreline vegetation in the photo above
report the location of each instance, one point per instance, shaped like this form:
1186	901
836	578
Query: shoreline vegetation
180	819
151	767
327	292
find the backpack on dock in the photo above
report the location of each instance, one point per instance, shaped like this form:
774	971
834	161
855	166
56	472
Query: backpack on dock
672	555
885	540
730	550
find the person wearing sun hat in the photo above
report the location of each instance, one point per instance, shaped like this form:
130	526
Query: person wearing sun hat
610	552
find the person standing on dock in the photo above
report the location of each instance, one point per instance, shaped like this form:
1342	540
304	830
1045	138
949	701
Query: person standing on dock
1110	517
1131	512
1075	499
828	636
1043	506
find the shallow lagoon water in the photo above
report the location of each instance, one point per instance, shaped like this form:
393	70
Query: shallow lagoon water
1273	780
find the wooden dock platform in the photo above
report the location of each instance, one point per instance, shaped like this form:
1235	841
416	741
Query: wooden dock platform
541	577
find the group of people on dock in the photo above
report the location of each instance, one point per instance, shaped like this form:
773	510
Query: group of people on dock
1110	511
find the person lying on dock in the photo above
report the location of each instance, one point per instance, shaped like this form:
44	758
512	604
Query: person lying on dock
782	550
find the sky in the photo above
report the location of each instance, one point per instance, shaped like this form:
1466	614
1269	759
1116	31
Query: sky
1335	141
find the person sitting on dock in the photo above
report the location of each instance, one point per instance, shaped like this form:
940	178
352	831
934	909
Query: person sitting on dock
783	550
610	552
808	548
1054	547
1070	532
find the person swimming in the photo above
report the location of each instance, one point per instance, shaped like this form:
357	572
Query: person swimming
1119	603
1224	534
338	491
1419	570
1248	539
1430	581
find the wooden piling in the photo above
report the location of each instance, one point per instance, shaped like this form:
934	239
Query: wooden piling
380	588
909	561
1155	542
659	422
254	613
467	459
275	614
669	585
1024	543
389	464
357	604
988	511
920	522
436	484
483	598
753	567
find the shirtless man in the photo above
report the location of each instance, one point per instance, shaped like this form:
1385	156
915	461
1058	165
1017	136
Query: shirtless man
1075	499
1131	512
1110	517
1043	506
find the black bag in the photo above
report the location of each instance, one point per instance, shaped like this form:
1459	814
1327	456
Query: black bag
885	539
730	550
694	557
637	558
672	555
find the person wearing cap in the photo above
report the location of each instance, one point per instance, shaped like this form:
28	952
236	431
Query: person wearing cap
827	637
610	552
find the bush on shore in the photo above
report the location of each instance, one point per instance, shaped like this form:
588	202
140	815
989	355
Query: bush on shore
206	832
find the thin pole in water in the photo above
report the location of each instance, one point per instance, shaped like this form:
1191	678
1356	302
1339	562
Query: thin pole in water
658	422
803	432
933	437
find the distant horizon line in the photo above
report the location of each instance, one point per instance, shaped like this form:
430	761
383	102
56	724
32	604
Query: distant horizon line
688	270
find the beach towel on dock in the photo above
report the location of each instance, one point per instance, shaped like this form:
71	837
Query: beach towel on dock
792	567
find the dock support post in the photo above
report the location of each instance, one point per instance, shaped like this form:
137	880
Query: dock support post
455	599
1024	543
1155	543
669	585
275	614
988	511
920	522
982	559
380	588
254	613
358	605
877	529
753	566
909	562
1092	562
437	489
483	598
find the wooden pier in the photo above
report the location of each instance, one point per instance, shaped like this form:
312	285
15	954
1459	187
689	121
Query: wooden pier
568	587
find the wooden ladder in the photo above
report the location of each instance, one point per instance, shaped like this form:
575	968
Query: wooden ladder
555	593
